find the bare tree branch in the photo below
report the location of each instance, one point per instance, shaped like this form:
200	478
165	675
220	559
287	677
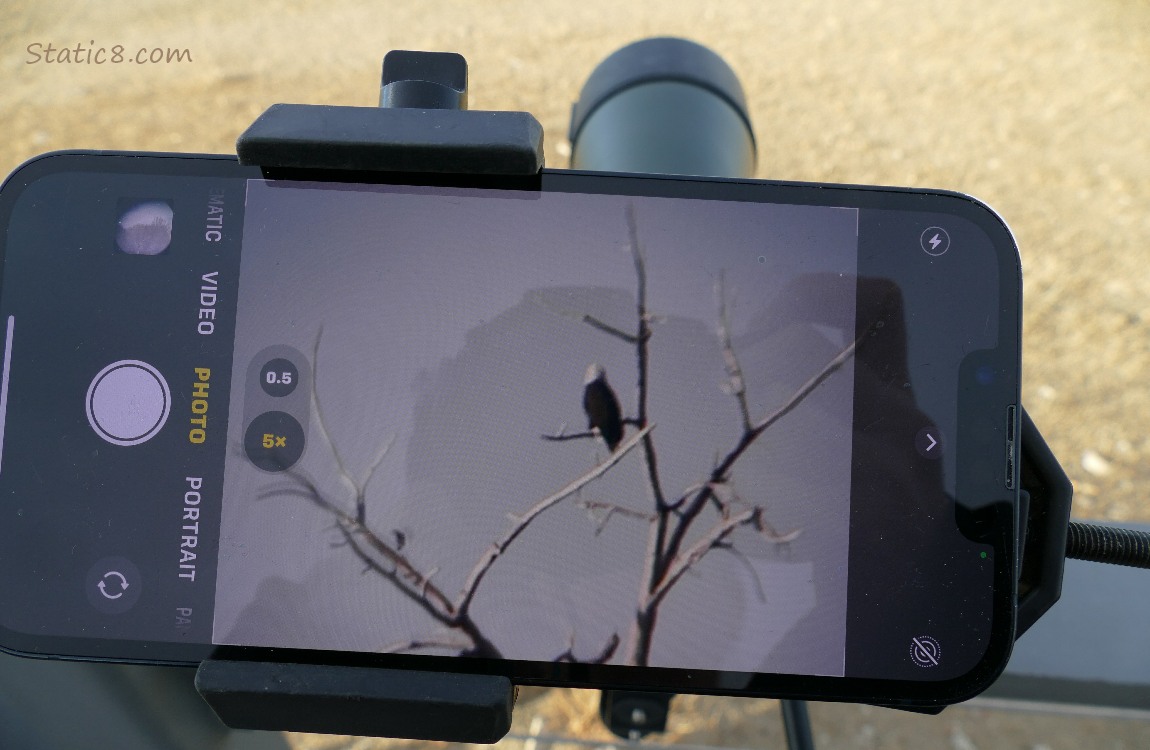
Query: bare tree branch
721	472
735	381
417	585
376	554
562	436
647	611
522	522
769	533
590	320
359	488
410	581
656	543
418	588
805	390
642	337
697	551
360	509
608	510
764	529
383	451
602	657
688	492
402	647
612	508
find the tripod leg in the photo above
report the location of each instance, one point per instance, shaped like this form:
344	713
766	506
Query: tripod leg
797	723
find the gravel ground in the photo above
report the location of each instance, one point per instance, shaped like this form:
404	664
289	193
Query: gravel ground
1040	109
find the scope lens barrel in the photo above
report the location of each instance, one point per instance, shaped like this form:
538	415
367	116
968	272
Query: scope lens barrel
663	106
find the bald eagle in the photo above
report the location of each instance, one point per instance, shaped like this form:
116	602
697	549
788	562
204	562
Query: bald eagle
602	406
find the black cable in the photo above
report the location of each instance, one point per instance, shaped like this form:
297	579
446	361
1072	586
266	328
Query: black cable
1105	544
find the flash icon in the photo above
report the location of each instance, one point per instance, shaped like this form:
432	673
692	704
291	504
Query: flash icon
934	241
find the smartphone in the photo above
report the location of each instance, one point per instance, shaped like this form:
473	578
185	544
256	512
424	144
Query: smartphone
595	430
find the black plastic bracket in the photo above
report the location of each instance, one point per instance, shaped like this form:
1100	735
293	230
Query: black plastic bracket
357	700
633	714
421	125
1044	517
366	139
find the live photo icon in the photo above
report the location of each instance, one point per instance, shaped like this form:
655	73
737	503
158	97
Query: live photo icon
144	226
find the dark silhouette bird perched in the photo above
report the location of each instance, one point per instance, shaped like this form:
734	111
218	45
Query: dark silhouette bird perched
602	407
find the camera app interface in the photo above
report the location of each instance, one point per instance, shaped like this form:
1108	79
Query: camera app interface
546	427
118	310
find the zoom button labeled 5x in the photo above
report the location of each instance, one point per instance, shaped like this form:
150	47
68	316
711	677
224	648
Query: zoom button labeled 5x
274	441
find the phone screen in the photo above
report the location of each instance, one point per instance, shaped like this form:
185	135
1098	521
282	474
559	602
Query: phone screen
686	434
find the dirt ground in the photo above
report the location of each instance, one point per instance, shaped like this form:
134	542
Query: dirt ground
1040	109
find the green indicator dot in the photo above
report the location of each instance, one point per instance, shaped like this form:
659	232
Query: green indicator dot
982	555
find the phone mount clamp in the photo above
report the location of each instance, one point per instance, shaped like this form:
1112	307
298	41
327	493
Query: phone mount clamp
421	125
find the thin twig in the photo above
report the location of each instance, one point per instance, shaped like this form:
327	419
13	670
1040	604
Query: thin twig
590	320
773	536
610	510
359	488
602	657
360	510
766	530
735	380
562	436
629	513
375	464
413	583
401	647
698	551
805	390
418	583
419	589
